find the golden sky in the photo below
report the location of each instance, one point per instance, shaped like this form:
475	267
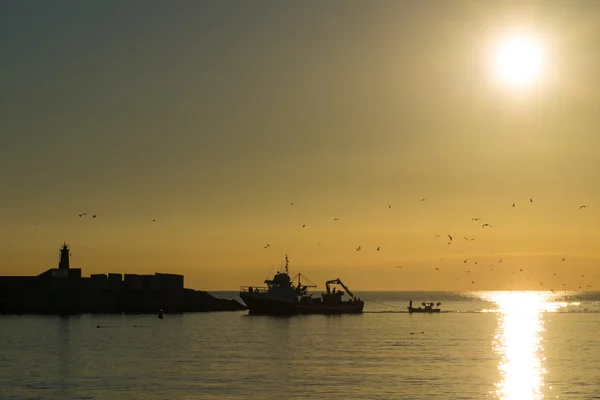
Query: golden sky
212	117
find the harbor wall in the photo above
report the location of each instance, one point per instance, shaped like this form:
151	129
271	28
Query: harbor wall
105	293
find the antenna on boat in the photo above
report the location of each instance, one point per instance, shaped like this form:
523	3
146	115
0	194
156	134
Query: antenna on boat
286	264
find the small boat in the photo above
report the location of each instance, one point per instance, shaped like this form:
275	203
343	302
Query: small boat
283	296
427	308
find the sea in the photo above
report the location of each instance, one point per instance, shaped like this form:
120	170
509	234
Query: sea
483	345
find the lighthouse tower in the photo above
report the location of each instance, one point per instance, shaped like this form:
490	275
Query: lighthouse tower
64	270
63	262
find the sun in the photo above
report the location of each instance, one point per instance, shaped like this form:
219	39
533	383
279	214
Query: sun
518	60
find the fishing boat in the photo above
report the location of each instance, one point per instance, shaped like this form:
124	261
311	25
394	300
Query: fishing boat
427	308
282	296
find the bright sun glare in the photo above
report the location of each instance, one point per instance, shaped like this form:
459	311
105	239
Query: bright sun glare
518	60
519	343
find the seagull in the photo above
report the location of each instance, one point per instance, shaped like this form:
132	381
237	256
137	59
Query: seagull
437	269
563	259
438	235
336	219
475	262
378	248
450	237
153	220
398	266
358	248
502	259
390	206
449	243
513	204
580	207
466	238
475	219
423	199
303	225
484	225
291	204
465	260
94	216
530	200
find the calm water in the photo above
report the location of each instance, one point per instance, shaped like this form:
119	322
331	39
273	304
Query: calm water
512	346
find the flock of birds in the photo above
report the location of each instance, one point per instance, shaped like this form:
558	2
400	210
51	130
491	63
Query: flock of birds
465	261
83	214
451	240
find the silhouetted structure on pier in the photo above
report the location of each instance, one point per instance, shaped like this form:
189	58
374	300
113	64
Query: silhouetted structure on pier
63	290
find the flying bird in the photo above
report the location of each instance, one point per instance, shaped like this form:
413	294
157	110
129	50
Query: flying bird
484	225
450	237
378	248
580	207
437	269
303	225
291	204
94	216
475	219
336	219
422	199
449	243
390	206
530	200
563	259
513	204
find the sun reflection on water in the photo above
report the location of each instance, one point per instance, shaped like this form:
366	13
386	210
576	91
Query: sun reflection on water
518	341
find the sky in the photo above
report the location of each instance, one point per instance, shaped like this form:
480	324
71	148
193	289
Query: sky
190	127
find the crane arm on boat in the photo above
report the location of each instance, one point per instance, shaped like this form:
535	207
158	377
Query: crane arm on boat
339	282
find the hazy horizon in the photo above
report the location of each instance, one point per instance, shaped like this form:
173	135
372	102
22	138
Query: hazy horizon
189	128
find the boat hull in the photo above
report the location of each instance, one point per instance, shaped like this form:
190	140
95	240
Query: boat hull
262	305
422	310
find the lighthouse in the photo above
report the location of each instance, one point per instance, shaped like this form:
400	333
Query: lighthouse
63	262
